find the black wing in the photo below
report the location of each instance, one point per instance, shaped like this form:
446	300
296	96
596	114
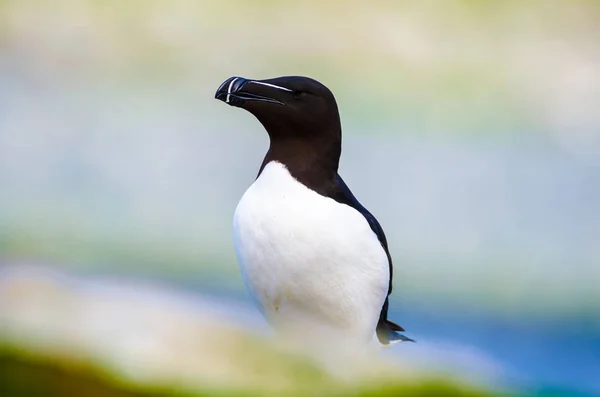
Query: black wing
386	330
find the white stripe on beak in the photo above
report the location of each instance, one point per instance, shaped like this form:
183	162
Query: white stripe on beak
271	85
229	89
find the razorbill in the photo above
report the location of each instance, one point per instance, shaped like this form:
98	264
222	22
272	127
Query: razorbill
309	252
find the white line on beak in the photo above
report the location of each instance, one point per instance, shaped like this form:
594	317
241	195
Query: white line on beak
229	89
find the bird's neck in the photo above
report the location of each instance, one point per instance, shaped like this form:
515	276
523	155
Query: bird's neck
313	160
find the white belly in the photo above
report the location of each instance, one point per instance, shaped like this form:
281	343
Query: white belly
307	259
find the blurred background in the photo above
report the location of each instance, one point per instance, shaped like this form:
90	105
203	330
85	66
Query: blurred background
471	130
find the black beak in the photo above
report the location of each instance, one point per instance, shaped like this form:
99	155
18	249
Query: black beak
236	91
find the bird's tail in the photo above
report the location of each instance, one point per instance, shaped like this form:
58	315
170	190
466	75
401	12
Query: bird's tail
389	333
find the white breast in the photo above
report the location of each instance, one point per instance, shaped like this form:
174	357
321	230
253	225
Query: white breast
307	259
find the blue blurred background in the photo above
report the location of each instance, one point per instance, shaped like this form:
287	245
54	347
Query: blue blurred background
471	130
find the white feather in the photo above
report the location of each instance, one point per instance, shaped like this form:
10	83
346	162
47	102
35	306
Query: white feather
309	262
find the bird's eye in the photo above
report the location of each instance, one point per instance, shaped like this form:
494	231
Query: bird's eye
297	94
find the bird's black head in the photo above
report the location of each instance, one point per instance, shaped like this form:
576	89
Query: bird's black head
286	106
301	117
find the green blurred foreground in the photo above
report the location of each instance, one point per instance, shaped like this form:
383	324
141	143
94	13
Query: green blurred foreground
28	376
60	336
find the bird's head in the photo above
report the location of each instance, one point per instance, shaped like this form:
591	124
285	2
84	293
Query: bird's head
288	107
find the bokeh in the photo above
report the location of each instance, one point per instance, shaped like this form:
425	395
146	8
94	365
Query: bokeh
471	131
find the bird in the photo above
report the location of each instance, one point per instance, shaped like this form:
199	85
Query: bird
311	255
